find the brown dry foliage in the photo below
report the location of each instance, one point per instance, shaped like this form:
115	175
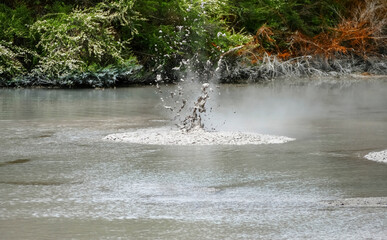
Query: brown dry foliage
256	50
363	33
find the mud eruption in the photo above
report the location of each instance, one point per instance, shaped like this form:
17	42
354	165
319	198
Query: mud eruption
194	120
190	130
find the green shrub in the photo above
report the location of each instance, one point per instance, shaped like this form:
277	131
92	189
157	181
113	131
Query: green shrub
14	22
83	39
10	65
307	16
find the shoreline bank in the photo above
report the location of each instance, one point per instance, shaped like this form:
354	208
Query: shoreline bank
230	70
336	79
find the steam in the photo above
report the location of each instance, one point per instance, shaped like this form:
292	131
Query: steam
291	106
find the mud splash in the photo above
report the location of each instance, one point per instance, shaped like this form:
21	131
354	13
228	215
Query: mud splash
194	120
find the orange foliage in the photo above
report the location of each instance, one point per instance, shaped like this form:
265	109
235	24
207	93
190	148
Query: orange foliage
285	55
216	46
263	34
255	50
361	34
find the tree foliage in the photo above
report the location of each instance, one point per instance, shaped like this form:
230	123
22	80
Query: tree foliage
84	39
56	39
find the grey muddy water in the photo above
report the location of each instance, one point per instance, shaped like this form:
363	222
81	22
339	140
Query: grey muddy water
59	178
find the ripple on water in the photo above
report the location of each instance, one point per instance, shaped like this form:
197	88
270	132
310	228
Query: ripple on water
12	162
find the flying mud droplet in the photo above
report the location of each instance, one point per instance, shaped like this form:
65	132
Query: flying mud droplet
168	107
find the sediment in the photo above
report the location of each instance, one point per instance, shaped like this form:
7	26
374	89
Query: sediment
168	136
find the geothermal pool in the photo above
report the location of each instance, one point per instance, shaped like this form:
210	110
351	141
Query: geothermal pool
60	178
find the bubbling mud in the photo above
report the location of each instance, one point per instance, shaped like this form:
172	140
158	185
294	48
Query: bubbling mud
377	156
196	136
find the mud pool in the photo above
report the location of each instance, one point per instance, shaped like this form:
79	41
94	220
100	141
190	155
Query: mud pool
60	179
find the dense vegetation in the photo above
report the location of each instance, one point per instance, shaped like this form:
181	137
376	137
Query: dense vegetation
112	42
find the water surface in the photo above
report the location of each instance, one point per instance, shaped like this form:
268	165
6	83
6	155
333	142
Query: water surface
59	180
